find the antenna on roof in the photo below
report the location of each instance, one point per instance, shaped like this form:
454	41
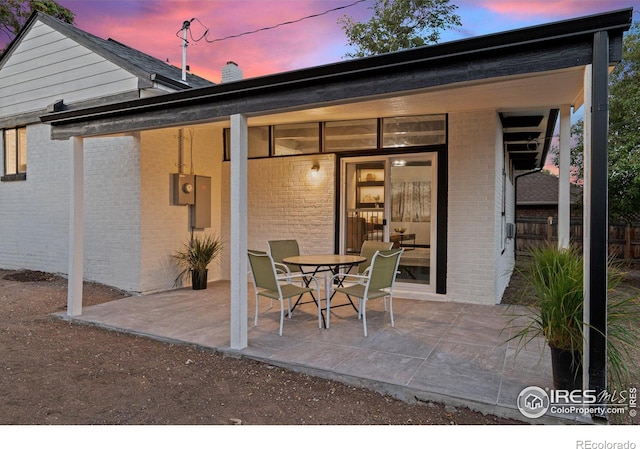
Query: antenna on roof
185	28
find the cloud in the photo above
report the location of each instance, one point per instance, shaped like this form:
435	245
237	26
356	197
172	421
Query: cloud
154	28
551	9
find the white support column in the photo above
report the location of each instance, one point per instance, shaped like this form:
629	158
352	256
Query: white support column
239	316
564	192
76	228
586	213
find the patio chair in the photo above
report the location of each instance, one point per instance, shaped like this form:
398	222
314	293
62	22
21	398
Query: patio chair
369	248
376	282
267	283
279	249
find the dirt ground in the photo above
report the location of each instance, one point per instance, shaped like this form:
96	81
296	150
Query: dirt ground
56	372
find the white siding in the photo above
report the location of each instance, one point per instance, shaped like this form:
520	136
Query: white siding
472	210
47	66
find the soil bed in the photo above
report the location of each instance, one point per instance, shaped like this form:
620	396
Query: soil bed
56	372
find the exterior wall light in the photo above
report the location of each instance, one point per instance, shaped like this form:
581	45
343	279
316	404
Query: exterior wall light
315	169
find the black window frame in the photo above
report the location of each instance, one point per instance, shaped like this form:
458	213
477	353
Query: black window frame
322	135
18	175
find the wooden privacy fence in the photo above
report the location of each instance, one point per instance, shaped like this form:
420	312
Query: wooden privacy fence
624	241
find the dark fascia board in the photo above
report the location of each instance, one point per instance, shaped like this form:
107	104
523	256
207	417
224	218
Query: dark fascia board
499	45
551	125
161	79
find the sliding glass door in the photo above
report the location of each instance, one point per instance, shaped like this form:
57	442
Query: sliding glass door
392	199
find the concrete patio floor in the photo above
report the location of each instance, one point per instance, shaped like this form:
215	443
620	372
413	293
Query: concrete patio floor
438	351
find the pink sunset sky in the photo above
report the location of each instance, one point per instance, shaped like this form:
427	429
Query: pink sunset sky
153	26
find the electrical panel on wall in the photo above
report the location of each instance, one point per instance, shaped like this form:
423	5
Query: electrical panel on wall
184	192
201	209
511	230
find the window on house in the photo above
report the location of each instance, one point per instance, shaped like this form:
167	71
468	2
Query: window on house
420	130
343	135
298	138
257	142
15	154
346	135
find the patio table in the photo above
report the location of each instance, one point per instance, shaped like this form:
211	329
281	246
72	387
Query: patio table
324	263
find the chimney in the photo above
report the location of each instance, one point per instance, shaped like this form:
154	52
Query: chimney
231	72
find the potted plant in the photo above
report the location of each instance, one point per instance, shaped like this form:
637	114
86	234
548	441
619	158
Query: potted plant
556	276
194	258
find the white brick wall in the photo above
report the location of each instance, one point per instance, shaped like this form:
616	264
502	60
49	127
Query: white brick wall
165	227
286	202
472	182
112	212
504	248
34	214
132	227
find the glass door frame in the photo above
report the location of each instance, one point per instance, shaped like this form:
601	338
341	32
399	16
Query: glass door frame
406	289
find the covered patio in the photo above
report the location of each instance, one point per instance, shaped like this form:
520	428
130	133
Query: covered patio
438	351
501	95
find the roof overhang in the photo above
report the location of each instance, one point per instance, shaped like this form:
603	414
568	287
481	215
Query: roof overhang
523	74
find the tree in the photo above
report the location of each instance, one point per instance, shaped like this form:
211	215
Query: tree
14	13
624	132
399	24
624	135
576	161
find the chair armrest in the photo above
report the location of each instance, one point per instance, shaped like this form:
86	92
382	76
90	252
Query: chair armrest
305	277
347	276
282	268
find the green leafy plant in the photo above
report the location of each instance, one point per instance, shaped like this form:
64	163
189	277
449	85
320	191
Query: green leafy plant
196	255
556	277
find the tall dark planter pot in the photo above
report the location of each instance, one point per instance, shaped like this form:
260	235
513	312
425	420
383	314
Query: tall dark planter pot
567	369
199	280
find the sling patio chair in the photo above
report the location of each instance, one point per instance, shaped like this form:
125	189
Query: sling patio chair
376	282
369	248
279	249
267	283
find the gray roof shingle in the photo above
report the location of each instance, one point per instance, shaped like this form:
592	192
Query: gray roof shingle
142	65
541	188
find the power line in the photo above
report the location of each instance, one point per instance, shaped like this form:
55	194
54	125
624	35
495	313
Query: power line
204	35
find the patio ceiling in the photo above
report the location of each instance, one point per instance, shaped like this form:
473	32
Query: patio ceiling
533	93
527	118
